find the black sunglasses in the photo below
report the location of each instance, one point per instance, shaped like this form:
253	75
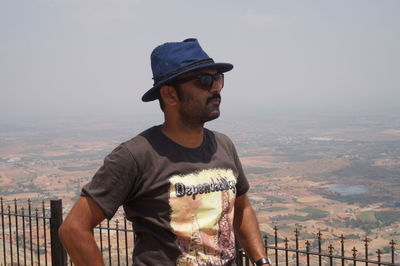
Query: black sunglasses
205	80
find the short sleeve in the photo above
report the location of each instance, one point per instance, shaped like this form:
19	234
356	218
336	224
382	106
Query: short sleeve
113	182
242	185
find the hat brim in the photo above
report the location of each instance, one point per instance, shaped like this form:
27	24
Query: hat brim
154	93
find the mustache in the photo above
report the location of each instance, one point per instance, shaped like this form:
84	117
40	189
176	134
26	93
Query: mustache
214	96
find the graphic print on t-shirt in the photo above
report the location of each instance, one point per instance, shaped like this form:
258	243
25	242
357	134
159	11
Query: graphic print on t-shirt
202	215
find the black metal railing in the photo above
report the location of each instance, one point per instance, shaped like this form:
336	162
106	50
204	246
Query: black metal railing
279	252
29	236
116	240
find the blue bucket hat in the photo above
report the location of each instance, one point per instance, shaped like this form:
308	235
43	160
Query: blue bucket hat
173	59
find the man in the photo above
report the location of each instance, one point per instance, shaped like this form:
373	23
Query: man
181	185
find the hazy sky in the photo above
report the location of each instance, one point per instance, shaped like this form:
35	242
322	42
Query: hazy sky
71	57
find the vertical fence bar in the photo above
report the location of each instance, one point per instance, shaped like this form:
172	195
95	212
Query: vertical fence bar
24	233
58	254
266	244
117	231
308	252
276	245
101	239
379	256
3	232
44	232
109	242
296	234
330	254
16	229
392	244
319	247
342	247
10	231
354	256
286	251
30	229
126	241
366	240
133	235
37	235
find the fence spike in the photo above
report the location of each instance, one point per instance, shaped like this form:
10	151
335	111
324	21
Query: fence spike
319	247
286	242
366	240
392	244
379	255
354	252
331	248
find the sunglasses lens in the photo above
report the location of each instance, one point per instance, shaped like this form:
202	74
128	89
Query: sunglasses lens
206	81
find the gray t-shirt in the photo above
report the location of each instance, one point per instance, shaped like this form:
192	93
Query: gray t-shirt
180	200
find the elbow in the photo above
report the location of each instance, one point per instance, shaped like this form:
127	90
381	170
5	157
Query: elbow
63	231
67	230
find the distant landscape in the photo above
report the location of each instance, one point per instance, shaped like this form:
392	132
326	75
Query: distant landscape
334	174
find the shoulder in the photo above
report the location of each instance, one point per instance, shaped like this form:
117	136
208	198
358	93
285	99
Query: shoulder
222	141
219	137
141	142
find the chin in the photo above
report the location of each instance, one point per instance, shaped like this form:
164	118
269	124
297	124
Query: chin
212	116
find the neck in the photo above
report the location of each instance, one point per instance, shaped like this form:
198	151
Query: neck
185	135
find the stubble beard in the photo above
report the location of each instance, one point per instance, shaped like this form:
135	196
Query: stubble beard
193	117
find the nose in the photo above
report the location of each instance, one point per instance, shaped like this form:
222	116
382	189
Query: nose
217	86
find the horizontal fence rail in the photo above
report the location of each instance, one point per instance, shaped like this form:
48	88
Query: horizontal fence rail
28	236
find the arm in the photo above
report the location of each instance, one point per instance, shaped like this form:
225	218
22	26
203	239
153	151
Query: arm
76	232
247	230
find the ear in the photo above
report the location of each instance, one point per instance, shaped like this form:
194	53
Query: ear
168	95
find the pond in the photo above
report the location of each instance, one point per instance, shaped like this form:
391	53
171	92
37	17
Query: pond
348	190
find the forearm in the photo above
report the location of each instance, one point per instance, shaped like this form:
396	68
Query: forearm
76	233
81	247
247	231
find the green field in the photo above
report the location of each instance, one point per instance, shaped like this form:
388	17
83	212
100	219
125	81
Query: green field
274	209
315	213
274	199
388	217
368	216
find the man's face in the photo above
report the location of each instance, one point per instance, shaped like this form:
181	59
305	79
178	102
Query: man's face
199	103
